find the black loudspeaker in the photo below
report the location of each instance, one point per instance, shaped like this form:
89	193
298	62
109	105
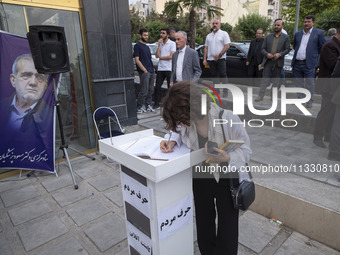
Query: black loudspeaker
49	49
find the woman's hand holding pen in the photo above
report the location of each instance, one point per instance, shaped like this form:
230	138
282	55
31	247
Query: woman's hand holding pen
166	146
222	156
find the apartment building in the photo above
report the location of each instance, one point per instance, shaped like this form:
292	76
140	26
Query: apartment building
232	9
142	7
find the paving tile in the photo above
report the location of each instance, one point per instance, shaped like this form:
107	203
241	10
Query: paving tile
70	195
87	169
17	196
68	247
41	232
116	197
52	184
29	211
5	248
105	182
255	231
125	251
13	183
107	233
87	210
299	244
242	250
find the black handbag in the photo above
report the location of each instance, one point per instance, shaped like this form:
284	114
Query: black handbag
243	194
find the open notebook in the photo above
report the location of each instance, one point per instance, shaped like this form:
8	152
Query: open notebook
149	148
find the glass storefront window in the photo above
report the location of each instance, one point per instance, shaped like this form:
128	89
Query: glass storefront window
73	86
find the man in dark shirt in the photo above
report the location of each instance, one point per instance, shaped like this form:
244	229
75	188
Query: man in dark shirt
254	59
329	54
172	34
142	55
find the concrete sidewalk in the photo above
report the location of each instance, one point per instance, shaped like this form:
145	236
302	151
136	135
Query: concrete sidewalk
44	214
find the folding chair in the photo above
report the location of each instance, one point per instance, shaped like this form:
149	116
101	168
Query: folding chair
103	115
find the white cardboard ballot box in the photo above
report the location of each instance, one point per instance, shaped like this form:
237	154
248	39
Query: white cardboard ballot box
157	196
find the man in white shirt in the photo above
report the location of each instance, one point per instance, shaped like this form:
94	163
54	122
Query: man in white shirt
216	46
164	52
307	45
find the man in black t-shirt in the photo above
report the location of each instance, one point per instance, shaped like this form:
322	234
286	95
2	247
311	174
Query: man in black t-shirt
142	55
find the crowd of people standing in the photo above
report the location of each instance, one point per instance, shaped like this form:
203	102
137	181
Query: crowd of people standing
265	60
179	64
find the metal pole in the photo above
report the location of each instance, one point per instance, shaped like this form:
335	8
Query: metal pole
296	25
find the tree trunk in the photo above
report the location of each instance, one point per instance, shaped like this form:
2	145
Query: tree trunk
192	23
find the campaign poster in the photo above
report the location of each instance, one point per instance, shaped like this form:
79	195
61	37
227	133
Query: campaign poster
27	109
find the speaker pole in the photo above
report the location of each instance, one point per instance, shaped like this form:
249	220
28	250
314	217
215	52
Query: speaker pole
63	147
50	56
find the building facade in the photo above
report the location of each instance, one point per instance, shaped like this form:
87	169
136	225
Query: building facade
142	7
233	9
98	35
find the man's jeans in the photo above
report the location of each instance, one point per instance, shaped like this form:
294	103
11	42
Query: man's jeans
218	69
304	78
161	76
146	88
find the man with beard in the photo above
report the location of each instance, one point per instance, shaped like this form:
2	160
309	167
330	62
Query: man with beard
216	46
254	58
274	48
164	52
142	55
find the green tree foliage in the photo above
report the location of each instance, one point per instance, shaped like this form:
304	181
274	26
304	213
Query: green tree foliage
180	22
202	32
248	25
289	27
199	39
226	27
154	28
235	35
173	8
135	38
136	23
307	7
328	19
153	16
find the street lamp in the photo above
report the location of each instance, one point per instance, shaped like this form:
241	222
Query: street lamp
296	25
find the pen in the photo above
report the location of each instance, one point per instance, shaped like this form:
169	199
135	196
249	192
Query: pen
167	145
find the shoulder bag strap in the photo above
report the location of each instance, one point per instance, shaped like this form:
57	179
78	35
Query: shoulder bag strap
230	179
